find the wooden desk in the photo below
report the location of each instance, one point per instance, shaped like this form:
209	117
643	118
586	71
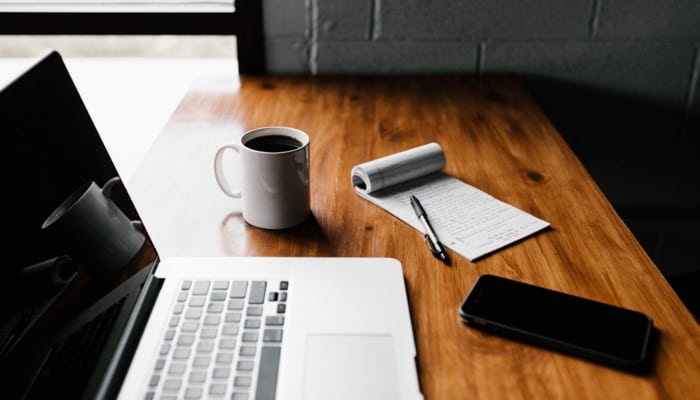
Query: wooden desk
496	138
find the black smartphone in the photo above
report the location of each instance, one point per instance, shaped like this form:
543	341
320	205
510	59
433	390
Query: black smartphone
578	326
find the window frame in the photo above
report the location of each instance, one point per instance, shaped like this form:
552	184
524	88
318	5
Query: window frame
245	23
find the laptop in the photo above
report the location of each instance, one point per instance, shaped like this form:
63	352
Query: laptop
162	328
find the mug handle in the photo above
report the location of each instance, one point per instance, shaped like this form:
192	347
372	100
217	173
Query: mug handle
107	192
107	187
219	171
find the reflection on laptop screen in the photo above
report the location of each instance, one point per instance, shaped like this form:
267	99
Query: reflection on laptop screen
52	150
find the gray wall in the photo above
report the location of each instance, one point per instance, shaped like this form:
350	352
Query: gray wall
619	79
639	47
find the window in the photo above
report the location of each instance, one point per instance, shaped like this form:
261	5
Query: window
117	16
242	19
120	6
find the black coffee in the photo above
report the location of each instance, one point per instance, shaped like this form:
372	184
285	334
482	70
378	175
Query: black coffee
273	143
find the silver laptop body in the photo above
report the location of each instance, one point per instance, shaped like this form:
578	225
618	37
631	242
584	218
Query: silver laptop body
234	328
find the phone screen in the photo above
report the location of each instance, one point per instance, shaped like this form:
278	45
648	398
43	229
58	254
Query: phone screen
577	325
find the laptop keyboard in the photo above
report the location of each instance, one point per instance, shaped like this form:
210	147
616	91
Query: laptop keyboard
223	341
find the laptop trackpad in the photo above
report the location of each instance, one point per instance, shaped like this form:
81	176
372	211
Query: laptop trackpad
350	367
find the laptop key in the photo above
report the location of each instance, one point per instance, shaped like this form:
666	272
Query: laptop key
267	374
185	340
252	323
257	292
224	358
245	366
235	304
229	330
227	344
247	351
198	377
201	287
181	353
193	313
201	361
220	285
233	317
205	346
177	369
274	320
193	393
172	385
272	335
221	373
190	326
215	308
238	289
250	337
208	333
217	389
242	381
169	335
217	296
198	301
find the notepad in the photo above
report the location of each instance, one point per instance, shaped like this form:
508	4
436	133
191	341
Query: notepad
468	221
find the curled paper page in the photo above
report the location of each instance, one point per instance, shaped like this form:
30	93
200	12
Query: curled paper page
397	168
470	222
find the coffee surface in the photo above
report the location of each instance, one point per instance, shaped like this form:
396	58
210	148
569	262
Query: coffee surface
273	143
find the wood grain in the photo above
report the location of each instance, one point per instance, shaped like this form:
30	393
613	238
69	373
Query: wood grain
496	138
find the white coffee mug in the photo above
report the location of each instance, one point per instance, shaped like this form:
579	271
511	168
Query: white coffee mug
274	171
94	231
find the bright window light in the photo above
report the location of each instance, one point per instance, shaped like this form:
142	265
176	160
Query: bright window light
98	6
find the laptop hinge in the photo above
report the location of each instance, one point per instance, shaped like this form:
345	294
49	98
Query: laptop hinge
133	329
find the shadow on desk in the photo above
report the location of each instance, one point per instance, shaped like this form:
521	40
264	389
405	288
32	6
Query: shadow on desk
686	285
644	157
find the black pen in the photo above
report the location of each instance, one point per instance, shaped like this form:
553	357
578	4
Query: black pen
436	247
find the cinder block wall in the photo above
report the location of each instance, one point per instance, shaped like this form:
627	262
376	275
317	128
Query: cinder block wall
643	48
619	78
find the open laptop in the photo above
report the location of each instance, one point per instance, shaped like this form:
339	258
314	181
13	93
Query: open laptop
191	328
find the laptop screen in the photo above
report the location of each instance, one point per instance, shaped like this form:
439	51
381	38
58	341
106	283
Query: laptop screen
70	235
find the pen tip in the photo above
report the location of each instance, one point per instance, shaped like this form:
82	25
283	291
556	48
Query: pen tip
444	258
